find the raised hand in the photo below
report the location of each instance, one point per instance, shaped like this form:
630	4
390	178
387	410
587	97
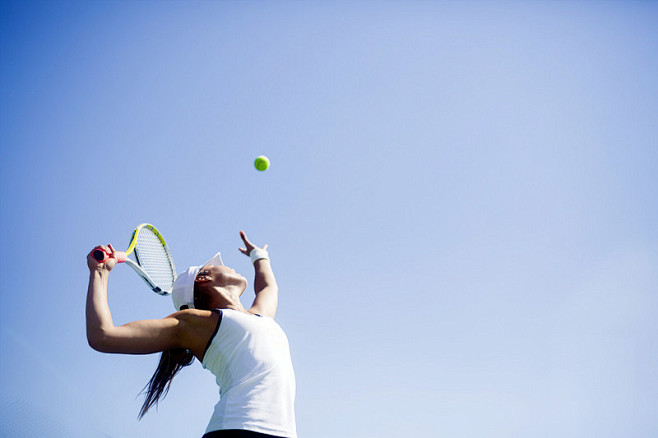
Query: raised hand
108	264
248	245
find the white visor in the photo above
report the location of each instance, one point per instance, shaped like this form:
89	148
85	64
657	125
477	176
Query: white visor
183	290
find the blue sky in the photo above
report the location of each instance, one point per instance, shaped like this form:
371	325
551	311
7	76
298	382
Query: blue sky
461	207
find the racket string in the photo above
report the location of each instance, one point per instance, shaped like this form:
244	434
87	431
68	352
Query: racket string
153	256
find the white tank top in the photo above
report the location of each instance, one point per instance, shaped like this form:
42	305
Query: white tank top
250	358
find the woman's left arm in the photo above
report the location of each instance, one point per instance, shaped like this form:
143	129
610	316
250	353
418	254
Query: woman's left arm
265	286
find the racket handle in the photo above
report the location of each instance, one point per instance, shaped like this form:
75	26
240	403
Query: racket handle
102	256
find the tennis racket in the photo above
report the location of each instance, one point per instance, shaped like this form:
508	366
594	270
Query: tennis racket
154	263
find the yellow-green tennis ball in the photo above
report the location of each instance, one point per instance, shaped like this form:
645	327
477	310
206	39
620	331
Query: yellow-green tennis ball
262	163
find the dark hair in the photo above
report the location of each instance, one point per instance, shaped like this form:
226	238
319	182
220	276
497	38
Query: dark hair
201	297
171	362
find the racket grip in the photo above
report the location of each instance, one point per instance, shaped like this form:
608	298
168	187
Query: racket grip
103	256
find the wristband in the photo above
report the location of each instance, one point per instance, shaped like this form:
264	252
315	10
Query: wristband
257	254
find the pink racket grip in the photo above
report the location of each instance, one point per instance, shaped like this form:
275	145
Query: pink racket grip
102	256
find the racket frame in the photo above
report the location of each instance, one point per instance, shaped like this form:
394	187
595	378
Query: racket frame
136	266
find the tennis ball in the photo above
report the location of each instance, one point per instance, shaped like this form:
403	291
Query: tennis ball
262	163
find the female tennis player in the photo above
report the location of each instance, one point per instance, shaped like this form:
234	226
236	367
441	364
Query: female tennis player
245	349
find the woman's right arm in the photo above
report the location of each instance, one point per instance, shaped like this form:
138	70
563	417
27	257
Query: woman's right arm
138	337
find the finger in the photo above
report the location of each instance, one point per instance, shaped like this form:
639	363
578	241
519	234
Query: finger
245	239
265	246
243	251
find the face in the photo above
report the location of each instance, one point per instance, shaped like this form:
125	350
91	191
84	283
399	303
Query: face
221	276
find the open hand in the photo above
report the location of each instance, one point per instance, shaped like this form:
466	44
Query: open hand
248	245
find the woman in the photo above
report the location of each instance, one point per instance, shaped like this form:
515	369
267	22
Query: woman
246	350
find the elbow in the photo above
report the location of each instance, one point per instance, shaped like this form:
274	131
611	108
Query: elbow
98	342
95	343
269	290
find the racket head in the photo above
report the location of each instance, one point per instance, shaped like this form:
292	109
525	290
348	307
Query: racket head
153	257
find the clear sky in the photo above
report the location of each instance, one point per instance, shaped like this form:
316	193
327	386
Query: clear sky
461	207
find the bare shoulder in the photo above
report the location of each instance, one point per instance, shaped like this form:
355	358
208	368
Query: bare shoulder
195	317
197	328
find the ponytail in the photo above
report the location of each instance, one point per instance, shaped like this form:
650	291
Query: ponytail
171	362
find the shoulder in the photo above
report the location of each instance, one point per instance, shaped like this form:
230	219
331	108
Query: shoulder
190	314
196	327
192	318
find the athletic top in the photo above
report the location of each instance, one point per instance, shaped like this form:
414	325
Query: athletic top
250	358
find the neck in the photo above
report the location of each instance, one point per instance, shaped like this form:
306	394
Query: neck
228	298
